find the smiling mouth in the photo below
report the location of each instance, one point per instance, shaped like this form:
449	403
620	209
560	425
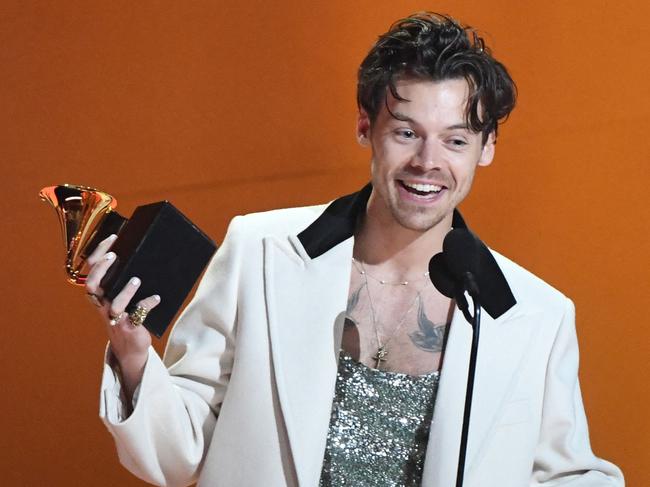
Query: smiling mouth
420	189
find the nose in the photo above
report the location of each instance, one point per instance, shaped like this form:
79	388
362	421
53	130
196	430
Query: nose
428	156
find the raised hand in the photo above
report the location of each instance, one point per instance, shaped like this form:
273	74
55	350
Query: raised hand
129	342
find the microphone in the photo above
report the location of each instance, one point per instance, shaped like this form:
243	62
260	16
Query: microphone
466	264
454	271
441	276
461	248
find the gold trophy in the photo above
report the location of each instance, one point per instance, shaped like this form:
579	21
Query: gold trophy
157	243
85	215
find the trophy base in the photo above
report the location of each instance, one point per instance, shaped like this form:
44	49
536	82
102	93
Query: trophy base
159	245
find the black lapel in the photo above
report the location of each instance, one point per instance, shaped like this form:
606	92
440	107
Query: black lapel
336	224
339	221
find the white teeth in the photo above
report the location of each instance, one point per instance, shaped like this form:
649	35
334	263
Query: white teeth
425	188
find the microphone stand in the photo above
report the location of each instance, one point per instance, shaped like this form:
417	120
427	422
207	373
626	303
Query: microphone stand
469	285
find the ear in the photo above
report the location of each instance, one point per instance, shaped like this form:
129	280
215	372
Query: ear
487	152
363	127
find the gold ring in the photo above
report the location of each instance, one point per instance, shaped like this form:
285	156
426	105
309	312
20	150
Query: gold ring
116	319
138	315
96	300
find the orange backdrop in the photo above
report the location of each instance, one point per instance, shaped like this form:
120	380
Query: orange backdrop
232	107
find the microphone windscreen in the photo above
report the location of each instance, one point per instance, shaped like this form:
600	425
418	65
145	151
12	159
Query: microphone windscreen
462	252
440	276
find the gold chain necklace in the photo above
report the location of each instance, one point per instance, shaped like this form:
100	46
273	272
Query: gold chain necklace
360	267
382	348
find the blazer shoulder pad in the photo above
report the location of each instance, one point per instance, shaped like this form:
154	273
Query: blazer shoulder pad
528	288
279	223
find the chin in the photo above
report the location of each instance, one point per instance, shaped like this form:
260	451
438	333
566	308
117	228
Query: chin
417	222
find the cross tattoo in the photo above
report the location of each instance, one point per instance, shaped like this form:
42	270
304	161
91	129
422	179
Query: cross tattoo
379	357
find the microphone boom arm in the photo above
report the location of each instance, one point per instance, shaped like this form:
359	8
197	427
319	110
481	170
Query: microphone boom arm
475	321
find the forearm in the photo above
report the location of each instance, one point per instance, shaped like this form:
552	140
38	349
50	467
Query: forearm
132	370
129	371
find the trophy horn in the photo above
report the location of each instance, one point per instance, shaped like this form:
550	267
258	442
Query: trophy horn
86	216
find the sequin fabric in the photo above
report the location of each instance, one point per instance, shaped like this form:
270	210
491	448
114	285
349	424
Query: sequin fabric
379	427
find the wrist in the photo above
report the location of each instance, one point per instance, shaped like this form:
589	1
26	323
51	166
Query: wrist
131	370
132	363
128	359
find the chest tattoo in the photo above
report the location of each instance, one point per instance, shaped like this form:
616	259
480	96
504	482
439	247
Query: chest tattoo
353	300
429	336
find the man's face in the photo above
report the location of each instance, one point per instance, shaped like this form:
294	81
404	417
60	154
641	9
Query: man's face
423	161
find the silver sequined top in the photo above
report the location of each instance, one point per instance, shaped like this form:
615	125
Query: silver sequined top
379	427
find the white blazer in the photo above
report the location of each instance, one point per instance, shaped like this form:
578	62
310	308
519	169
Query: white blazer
244	394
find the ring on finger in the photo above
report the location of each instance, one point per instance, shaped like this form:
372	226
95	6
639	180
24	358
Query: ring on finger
95	299
138	315
114	320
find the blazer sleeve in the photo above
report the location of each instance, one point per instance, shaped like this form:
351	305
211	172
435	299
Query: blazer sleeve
564	456
165	438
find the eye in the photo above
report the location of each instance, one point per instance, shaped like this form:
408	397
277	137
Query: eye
455	142
406	133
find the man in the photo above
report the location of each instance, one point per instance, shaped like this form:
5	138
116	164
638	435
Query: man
316	350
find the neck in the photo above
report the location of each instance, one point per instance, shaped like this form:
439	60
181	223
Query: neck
397	252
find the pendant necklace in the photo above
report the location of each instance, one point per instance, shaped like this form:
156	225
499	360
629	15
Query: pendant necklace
382	348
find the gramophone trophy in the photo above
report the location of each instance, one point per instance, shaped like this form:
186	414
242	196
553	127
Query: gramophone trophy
158	244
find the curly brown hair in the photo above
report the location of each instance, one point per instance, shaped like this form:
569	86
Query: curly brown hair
436	47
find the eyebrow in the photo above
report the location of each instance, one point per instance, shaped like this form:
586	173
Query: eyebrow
463	126
405	118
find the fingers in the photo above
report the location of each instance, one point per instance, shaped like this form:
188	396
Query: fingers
130	342
99	262
114	312
121	301
150	303
138	315
100	250
97	273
